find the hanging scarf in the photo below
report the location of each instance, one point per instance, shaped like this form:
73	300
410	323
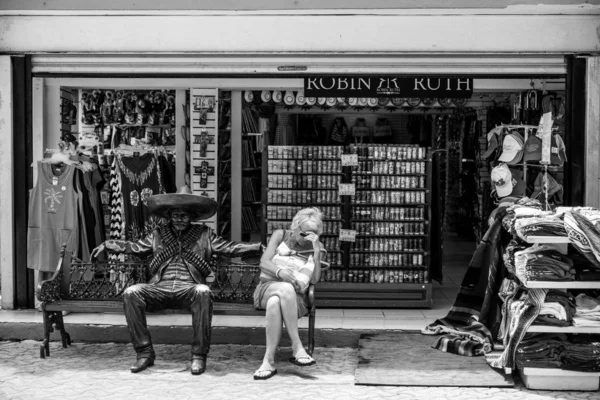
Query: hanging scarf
180	246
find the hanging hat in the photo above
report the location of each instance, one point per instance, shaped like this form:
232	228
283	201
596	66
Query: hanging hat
493	142
538	187
201	207
533	149
558	151
512	149
502	180
519	184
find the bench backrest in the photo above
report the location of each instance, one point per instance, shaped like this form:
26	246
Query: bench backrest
83	280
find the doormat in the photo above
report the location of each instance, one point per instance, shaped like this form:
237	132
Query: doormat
407	359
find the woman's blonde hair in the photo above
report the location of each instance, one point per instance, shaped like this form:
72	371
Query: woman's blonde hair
310	214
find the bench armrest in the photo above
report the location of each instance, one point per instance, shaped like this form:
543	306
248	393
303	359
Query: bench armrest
310	296
49	290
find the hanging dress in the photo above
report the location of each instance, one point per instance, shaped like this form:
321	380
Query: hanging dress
140	178
52	216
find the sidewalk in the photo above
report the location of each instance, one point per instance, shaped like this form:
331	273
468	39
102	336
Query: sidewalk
101	371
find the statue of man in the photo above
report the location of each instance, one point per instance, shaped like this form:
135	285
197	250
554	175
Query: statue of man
179	270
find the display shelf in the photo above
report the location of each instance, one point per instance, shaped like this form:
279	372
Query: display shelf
288	219
363	286
388	204
304	159
547	239
560	285
306	204
563	329
559	379
364	173
297	188
350	293
389	220
308	173
366	158
391	236
375	267
390	251
393	189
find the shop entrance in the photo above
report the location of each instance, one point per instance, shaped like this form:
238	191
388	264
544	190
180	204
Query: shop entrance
405	147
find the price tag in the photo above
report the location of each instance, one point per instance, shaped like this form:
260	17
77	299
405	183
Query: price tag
349	160
347	235
347	189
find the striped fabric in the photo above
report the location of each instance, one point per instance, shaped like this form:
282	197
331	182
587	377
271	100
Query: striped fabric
584	235
116	208
523	310
472	340
465	328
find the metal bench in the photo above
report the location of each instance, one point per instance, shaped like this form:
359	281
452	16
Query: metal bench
97	287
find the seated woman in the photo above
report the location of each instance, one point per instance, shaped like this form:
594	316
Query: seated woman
285	276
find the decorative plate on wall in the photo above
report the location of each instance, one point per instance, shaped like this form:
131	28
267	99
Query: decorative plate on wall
460	102
398	101
289	98
248	96
446	102
428	101
383	101
277	96
414	102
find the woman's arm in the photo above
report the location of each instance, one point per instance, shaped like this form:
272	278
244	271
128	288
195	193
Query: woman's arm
266	261
268	266
317	249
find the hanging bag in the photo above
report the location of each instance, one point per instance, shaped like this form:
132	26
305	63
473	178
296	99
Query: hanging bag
382	128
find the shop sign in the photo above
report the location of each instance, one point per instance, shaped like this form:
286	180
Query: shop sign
388	86
347	189
349	160
347	235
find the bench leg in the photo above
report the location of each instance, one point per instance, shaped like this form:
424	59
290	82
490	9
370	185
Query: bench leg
60	324
52	320
311	331
44	347
49	320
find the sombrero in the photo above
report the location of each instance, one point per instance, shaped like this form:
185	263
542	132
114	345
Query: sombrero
201	207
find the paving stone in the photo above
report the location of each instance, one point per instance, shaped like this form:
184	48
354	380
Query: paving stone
101	371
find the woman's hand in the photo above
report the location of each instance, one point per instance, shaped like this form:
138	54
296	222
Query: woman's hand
314	239
287	275
97	251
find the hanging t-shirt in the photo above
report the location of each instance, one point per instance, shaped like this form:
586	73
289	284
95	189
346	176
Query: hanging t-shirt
52	216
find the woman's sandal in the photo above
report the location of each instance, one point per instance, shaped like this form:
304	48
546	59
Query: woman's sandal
296	360
270	374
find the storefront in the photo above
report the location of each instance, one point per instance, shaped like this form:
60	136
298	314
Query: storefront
233	97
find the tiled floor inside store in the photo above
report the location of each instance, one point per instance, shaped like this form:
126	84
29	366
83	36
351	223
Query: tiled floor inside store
455	266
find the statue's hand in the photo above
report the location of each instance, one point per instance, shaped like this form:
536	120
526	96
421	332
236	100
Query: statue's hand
97	251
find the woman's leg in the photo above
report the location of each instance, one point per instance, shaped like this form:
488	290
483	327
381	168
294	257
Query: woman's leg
273	333
289	311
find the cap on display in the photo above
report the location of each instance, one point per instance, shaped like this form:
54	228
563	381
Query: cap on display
493	139
512	149
502	180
